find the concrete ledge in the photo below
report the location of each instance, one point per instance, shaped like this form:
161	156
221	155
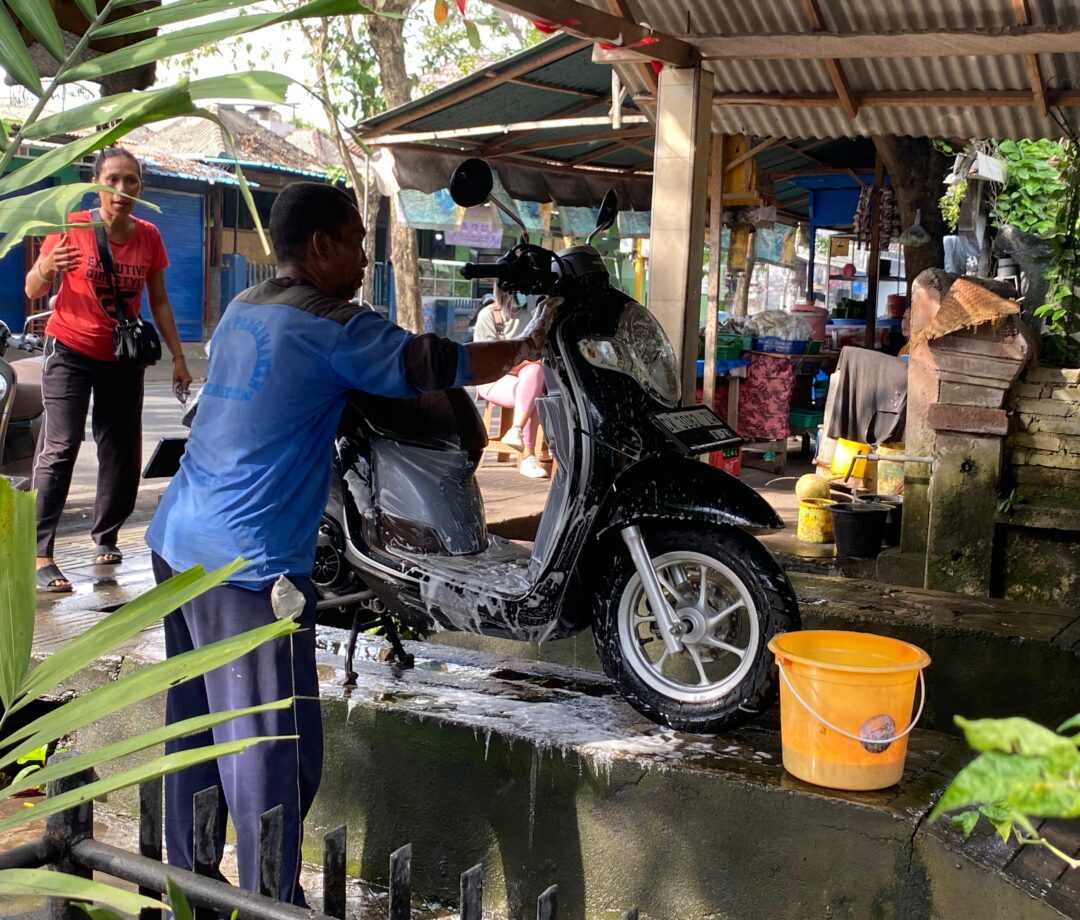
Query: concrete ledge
542	774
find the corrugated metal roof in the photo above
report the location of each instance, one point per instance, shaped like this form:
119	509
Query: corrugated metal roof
884	75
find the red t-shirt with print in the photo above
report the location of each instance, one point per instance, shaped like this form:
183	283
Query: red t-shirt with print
80	319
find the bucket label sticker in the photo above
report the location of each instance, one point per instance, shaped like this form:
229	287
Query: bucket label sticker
875	731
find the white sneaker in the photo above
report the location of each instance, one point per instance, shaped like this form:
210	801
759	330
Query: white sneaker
512	439
532	468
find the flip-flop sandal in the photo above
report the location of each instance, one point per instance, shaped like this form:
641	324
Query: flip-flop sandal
51	580
107	554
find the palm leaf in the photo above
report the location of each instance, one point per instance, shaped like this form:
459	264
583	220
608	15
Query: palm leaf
119	626
165	104
128	746
45	883
17	591
89	8
14	58
159	766
38	17
41	212
261	86
182	11
137	686
207	33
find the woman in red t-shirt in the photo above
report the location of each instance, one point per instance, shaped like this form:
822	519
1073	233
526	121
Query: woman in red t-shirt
79	361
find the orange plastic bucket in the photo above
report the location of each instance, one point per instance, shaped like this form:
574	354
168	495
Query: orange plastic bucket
845	706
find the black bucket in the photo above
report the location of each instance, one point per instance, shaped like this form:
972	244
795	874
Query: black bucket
859	528
896	515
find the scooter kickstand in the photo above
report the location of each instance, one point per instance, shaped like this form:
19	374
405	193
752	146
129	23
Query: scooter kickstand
350	653
400	657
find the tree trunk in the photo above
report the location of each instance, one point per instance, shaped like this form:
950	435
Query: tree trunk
387	39
318	34
916	170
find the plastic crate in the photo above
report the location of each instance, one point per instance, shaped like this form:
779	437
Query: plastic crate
729	460
805	419
779	346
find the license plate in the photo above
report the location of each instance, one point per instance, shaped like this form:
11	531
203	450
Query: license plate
697	429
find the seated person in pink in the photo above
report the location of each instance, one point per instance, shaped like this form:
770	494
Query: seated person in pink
504	319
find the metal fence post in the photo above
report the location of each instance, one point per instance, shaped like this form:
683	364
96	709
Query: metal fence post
547	905
204	843
472	893
334	845
150	819
401	883
65	830
271	834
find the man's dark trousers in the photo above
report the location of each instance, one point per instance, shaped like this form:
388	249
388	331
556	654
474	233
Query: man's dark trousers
285	773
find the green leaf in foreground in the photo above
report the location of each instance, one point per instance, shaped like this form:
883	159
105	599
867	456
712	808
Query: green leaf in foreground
159	766
121	625
139	685
128	746
17	593
44	883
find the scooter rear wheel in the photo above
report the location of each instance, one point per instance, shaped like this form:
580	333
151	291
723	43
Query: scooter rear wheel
728	596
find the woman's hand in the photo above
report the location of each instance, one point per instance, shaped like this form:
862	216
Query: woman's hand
64	258
181	376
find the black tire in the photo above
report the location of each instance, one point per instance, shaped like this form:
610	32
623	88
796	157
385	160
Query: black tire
775	609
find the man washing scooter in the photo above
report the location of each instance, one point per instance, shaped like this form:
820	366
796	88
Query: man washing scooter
253	482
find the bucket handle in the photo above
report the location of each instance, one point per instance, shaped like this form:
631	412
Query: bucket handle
836	728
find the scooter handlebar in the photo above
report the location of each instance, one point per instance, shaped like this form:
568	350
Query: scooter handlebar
498	270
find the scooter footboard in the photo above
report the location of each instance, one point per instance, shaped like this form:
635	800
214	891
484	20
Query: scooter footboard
675	488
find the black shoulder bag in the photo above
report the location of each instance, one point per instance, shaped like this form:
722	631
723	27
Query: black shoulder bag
135	343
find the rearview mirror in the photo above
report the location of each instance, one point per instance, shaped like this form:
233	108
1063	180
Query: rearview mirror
609	210
471	183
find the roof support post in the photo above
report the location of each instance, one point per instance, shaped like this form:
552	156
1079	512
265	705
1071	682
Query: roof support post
680	180
716	213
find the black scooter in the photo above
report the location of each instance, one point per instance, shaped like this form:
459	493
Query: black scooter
638	540
21	407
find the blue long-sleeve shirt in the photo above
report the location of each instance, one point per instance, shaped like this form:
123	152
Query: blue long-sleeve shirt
254	477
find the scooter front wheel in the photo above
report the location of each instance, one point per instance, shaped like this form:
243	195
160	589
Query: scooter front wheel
701	663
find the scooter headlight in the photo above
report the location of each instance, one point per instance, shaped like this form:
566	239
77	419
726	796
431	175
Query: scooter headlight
639	349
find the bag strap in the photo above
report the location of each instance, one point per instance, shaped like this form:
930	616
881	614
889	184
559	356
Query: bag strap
105	258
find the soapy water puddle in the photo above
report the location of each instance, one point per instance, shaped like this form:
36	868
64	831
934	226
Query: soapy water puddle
556	709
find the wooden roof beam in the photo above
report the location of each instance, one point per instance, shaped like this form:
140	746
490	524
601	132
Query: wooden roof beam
477	130
766	144
505	140
621	9
495	75
1031	63
1069	98
836	73
550	88
820	46
555	143
598	26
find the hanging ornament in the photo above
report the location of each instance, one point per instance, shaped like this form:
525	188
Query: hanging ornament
441	11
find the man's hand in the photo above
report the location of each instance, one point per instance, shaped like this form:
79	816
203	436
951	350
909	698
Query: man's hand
536	332
491	360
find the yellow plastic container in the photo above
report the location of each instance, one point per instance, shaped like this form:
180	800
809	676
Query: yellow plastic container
846	452
815	522
845	706
890	473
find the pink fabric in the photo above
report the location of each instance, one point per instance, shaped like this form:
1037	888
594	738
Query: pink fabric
518	392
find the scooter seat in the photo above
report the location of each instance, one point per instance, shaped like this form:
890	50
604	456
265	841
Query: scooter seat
443	420
27	403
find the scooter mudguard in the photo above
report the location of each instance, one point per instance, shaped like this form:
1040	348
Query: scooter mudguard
670	487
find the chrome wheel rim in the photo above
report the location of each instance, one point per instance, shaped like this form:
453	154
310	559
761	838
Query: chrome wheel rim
719	638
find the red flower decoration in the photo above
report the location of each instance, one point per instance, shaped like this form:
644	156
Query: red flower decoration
656	66
546	27
461	6
648	40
